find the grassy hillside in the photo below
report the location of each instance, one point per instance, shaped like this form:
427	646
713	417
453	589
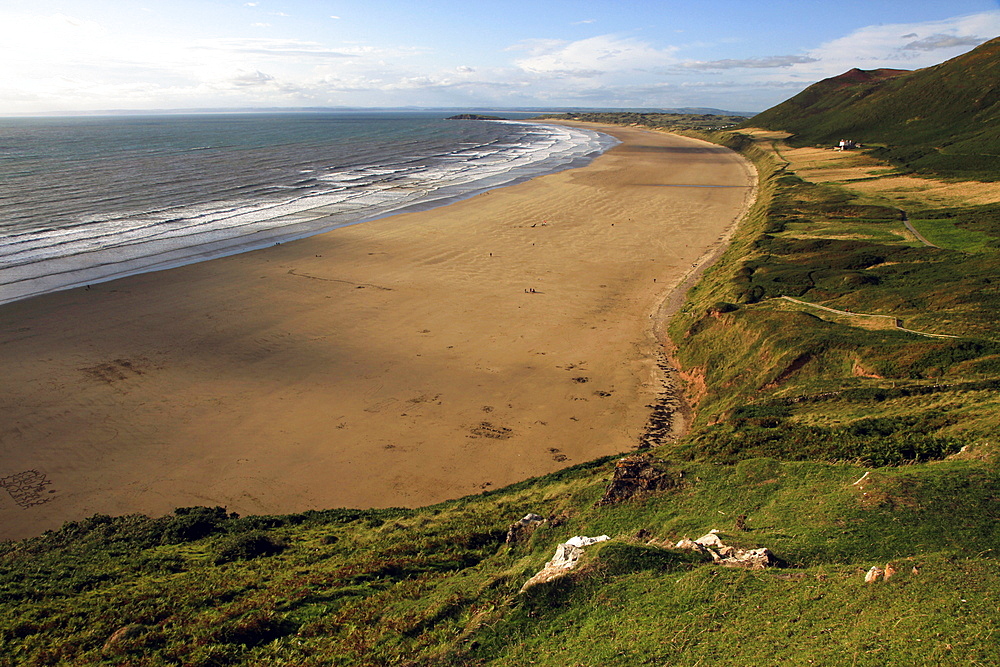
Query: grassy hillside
439	586
832	437
939	120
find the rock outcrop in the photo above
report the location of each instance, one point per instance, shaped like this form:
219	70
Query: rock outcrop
712	545
565	559
636	476
522	529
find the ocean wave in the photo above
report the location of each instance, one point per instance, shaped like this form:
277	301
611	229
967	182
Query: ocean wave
110	244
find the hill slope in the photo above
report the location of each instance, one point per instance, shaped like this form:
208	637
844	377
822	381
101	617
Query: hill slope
943	119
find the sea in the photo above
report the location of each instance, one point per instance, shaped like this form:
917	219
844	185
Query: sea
94	198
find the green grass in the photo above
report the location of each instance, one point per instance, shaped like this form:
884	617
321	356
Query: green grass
439	586
945	234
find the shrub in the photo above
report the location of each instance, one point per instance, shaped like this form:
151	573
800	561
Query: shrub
245	546
193	523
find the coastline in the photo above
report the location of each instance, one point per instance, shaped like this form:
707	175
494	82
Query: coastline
55	260
404	361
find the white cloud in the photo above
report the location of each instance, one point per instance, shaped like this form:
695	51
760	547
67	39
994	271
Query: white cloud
749	63
275	48
936	42
894	45
255	78
260	25
594	56
59	61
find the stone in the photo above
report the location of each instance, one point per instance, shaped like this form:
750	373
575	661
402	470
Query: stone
522	528
565	559
712	545
637	476
711	540
581	541
754	559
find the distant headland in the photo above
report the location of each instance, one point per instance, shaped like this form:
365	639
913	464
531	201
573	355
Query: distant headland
473	116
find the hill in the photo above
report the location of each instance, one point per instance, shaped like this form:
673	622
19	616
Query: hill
943	119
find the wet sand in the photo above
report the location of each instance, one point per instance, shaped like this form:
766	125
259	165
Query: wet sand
403	361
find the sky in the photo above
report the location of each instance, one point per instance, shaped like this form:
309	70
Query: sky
737	55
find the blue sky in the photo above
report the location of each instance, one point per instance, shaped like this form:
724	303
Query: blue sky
80	55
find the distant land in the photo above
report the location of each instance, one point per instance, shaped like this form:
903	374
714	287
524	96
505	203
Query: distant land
449	110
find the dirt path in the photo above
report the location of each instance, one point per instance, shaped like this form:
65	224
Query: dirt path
894	320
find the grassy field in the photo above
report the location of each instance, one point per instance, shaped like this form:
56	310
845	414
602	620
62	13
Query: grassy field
836	446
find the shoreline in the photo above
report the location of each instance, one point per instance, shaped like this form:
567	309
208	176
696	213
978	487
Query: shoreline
399	362
104	264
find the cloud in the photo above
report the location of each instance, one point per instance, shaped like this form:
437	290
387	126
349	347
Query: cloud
66	62
892	45
260	25
935	42
537	46
749	63
593	56
255	78
274	48
584	22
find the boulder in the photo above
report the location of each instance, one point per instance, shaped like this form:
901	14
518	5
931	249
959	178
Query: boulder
522	528
565	559
636	476
710	540
712	544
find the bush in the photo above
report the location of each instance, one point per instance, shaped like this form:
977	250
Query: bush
193	523
245	546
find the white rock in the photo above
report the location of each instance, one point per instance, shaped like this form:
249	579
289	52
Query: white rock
710	540
565	559
581	541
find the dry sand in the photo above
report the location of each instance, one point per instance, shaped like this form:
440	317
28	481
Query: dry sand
398	362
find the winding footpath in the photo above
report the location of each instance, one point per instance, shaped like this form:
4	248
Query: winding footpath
920	237
895	320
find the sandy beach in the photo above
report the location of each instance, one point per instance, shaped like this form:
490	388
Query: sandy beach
403	361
